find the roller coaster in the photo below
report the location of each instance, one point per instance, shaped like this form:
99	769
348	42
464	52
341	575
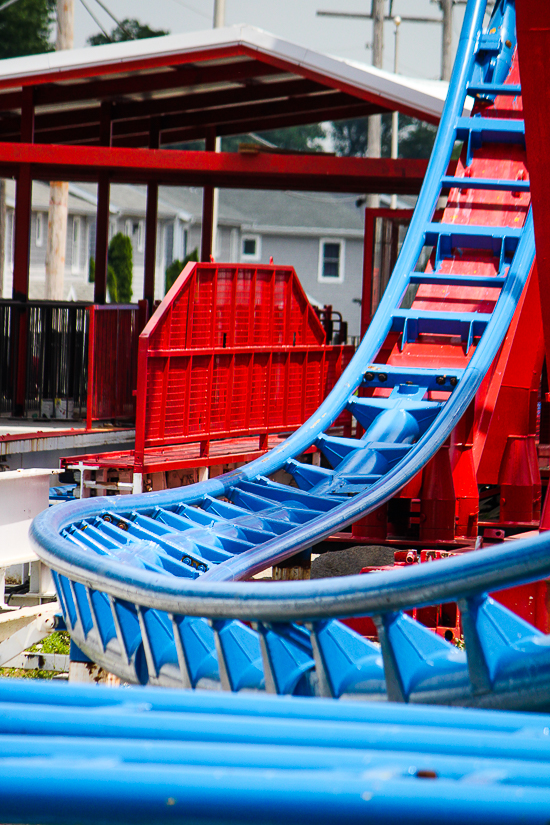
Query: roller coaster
152	586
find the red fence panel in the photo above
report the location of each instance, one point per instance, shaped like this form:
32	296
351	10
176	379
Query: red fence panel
112	361
233	350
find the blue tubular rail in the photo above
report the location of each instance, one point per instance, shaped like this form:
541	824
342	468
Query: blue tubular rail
145	755
144	581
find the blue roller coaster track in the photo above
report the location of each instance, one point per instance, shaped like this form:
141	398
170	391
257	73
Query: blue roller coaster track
75	754
150	585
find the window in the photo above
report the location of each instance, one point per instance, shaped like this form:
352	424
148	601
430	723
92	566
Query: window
128	228
39	229
112	229
75	264
251	248
331	260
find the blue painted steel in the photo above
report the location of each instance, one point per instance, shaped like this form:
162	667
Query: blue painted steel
63	492
145	755
144	580
450	182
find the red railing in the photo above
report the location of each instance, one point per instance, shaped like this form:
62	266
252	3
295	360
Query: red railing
112	361
233	350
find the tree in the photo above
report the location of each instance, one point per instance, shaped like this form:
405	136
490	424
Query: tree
120	269
294	138
25	28
350	137
174	269
128	29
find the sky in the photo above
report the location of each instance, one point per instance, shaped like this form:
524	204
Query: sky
293	20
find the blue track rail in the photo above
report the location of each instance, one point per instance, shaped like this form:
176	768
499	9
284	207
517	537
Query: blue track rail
149	584
143	755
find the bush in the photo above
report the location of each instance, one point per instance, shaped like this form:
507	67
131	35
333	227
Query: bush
175	268
91	271
120	269
112	285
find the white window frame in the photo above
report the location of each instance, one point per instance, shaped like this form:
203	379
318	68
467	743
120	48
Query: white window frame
75	259
324	279
128	228
113	228
258	253
39	229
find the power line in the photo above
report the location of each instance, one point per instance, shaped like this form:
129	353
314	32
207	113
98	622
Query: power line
92	15
191	8
119	24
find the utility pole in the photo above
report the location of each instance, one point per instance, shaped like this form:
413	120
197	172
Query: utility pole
395	115
446	21
219	14
219	23
447	39
374	145
59	191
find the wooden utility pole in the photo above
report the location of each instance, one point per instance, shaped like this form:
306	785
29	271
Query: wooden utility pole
447	39
59	191
218	23
219	14
374	145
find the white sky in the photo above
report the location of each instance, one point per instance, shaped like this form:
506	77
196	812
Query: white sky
294	20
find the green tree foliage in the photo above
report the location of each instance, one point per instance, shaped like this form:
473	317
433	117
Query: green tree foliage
416	138
294	138
25	28
129	29
112	285
175	268
120	269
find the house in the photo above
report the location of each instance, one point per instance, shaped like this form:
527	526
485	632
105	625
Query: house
320	234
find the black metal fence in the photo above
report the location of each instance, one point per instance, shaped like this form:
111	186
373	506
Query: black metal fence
43	358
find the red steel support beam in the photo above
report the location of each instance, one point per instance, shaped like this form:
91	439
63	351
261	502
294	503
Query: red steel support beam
151	224
102	220
21	258
262	170
207	233
21	252
23	206
533	26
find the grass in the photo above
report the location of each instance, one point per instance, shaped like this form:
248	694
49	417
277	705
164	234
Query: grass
58	642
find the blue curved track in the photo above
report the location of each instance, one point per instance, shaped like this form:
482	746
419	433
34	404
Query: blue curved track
149	584
93	755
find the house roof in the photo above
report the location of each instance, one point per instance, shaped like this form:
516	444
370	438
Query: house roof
185	86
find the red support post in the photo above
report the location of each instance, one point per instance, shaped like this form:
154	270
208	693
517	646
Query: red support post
519	480
21	258
23	205
207	234
21	252
102	219
464	475
437	499
373	526
533	28
150	243
151	218
102	240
